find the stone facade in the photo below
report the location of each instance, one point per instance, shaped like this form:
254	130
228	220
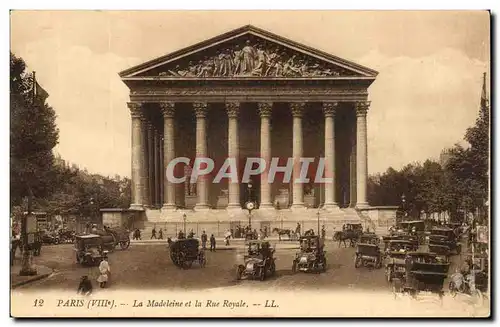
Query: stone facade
248	93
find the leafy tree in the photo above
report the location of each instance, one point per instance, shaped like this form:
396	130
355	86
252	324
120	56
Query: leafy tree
33	135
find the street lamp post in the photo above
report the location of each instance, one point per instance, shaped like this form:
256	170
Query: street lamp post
184	220
317	214
250	205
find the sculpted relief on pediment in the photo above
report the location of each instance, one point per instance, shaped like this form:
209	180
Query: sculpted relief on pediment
251	58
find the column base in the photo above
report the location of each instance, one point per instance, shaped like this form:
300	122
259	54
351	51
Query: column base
135	206
266	206
331	206
168	207
232	206
201	207
362	205
297	206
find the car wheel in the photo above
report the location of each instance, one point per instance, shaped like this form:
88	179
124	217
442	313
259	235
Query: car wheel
56	241
262	273
357	262
239	272
272	269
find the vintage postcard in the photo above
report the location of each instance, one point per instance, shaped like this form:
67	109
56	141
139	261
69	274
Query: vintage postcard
250	163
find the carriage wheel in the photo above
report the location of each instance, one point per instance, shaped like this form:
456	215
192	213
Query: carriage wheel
263	273
239	272
125	244
272	269
294	266
357	262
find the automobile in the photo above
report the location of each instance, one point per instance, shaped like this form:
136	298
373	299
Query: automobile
49	237
368	254
311	257
394	260
424	272
369	238
259	262
445	236
401	236
89	249
415	228
183	252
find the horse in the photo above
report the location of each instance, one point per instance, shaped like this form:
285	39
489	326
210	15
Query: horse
342	236
280	232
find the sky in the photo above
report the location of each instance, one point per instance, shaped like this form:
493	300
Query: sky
427	92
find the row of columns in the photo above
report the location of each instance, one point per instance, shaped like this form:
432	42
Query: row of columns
152	170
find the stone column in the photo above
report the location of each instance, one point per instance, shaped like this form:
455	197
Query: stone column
145	162
361	154
298	188
136	187
151	165
167	109
233	109
200	109
352	166
162	171
157	168
265	109
329	109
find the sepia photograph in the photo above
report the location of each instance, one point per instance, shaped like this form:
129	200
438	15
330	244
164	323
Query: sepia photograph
250	164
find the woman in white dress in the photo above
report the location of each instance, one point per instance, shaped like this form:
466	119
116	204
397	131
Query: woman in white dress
104	271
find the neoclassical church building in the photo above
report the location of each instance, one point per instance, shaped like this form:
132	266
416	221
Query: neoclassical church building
244	94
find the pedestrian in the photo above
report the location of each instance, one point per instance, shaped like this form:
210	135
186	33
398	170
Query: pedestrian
227	236
180	235
153	233
160	234
297	230
212	243
204	240
191	234
85	286
323	232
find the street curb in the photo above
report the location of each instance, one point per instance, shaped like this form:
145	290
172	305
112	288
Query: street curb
31	280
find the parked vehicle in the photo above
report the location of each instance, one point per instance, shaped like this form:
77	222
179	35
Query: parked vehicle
311	256
89	249
184	252
424	272
445	237
395	254
49	237
259	261
368	254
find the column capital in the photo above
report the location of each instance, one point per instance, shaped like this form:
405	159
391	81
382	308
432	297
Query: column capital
330	108
232	109
297	108
265	109
135	109
362	108
167	109
200	109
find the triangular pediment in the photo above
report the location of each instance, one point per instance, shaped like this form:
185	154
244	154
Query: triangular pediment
248	52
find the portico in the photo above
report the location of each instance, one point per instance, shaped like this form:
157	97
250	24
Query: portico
249	93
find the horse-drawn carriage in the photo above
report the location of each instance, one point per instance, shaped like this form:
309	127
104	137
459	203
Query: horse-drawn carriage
424	272
368	253
114	236
89	249
184	252
395	254
350	232
311	256
259	261
442	237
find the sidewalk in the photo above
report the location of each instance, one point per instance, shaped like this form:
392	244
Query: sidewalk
16	280
234	243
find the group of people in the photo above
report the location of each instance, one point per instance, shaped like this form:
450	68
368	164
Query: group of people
85	286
